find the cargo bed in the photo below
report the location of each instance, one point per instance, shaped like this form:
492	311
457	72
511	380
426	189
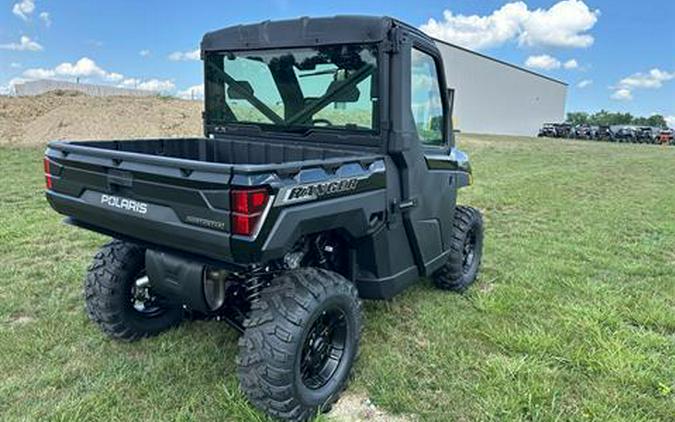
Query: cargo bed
176	192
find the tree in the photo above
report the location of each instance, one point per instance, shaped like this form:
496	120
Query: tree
604	117
656	120
577	118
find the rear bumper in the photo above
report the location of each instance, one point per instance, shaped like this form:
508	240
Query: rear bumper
160	227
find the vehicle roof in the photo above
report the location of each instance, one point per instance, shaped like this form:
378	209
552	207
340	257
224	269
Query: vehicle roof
302	32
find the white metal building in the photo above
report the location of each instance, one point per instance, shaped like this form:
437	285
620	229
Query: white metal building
495	97
42	86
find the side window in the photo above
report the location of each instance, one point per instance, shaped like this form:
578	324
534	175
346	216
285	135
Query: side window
425	98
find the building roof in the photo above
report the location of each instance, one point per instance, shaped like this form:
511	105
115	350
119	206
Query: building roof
500	61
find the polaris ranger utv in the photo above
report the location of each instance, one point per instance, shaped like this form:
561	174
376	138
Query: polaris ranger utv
328	173
547	130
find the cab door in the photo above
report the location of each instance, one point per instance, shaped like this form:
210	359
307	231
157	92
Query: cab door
421	122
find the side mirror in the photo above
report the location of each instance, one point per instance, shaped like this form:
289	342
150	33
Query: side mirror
237	92
451	124
349	95
451	101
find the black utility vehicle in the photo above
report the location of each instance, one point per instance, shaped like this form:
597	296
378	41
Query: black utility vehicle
556	130
604	133
563	130
328	173
625	134
646	135
582	132
548	130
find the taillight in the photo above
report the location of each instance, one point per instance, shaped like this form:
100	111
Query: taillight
247	206
48	175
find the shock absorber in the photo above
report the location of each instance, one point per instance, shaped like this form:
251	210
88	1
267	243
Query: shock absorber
254	285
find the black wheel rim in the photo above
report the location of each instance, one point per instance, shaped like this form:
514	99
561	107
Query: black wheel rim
141	298
324	348
470	250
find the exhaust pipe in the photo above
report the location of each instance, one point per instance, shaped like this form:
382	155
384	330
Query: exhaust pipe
190	283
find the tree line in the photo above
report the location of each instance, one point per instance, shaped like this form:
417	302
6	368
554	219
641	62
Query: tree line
604	117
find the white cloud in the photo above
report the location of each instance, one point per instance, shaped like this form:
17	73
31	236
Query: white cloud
670	120
144	53
88	71
39	73
15	65
479	31
622	94
24	9
83	68
543	61
86	68
178	56
44	17
192	93
652	79
563	25
584	83
571	64
24	44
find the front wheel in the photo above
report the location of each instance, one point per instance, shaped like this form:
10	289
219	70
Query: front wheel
119	298
300	341
466	251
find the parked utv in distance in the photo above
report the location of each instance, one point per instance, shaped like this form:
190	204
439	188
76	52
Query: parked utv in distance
625	134
563	130
646	135
325	176
582	132
666	137
555	130
604	133
547	130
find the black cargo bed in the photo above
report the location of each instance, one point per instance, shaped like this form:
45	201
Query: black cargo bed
182	184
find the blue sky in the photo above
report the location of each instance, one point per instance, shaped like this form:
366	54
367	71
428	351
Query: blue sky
614	54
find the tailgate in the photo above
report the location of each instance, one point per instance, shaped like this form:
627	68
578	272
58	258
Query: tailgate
176	203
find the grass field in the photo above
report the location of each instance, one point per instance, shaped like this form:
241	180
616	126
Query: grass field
573	316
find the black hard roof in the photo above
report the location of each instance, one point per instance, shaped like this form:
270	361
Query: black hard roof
301	32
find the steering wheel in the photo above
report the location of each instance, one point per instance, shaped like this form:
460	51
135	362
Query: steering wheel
322	121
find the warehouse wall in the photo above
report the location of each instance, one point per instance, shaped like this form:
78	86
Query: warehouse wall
496	98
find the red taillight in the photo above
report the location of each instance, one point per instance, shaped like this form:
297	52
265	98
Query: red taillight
249	201
247	206
48	175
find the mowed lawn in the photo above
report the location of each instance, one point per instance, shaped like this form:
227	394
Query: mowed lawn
573	316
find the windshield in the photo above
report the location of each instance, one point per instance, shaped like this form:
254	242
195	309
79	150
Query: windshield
294	89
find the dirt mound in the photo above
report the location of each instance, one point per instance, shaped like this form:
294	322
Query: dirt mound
33	121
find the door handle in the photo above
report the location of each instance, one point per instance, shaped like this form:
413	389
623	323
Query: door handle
406	205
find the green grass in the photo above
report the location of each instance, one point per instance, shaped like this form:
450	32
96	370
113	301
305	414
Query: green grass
573	316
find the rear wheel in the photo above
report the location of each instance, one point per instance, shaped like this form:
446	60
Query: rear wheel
300	341
119	298
461	269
